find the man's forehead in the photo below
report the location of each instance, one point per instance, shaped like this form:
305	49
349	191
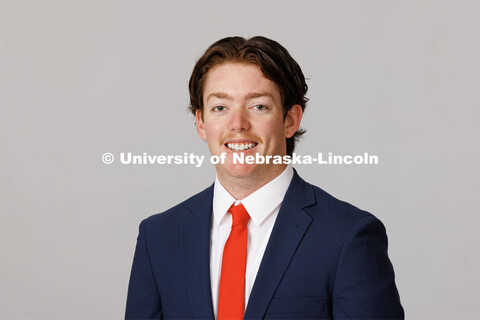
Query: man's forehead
231	81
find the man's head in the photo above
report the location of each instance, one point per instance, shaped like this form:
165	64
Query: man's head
269	56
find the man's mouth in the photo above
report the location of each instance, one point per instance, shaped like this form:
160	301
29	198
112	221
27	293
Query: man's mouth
240	146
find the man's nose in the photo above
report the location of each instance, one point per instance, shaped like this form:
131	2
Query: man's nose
239	120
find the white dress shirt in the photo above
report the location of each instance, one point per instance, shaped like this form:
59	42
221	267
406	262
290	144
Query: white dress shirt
262	206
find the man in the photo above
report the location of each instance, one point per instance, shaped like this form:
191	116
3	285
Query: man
260	243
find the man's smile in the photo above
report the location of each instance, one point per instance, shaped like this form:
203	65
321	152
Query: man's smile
240	146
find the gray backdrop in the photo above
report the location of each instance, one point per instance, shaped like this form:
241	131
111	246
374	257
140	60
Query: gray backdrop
398	79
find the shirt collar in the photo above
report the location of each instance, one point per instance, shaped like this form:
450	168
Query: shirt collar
259	204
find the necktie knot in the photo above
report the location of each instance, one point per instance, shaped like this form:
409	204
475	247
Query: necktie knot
239	215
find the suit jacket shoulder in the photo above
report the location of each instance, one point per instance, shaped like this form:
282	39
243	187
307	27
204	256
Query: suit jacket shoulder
325	208
169	220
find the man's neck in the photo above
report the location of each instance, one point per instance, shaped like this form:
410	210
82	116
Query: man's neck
242	187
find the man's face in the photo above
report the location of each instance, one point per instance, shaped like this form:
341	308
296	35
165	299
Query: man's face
243	114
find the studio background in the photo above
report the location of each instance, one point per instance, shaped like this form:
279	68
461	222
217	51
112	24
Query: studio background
399	79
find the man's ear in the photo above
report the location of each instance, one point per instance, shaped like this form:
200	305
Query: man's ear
292	120
200	124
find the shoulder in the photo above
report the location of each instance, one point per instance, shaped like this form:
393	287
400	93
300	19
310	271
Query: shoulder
326	210
179	212
337	208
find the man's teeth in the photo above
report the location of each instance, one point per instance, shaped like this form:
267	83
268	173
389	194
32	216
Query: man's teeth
241	147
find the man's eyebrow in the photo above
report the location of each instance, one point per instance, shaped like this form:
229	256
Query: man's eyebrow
219	95
252	95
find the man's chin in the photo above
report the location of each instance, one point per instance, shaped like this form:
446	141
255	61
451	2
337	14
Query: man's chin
239	171
252	172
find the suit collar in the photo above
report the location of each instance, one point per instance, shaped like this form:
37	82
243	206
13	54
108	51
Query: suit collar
300	192
291	224
196	253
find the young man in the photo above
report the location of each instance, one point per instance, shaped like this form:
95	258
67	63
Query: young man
259	243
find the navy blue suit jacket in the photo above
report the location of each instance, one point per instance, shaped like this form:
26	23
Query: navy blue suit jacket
325	259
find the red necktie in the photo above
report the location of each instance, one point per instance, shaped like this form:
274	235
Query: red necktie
231	298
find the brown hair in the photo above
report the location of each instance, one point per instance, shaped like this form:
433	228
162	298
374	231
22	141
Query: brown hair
273	60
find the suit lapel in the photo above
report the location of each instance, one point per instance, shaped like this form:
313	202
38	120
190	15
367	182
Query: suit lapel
291	224
196	254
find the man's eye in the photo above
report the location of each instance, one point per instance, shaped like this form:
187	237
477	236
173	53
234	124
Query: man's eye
260	107
218	108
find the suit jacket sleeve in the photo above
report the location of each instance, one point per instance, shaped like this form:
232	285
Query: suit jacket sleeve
364	284
143	299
